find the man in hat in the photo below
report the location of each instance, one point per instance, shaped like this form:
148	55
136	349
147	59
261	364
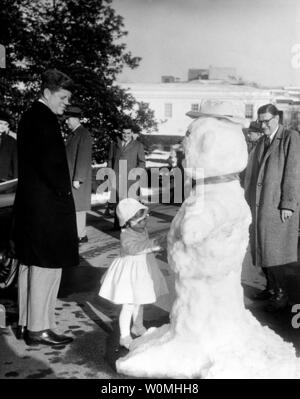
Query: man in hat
272	189
79	155
8	150
44	228
253	133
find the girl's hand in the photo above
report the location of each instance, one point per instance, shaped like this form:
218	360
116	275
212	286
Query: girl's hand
157	248
161	241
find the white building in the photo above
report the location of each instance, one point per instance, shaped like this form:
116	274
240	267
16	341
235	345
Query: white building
287	100
171	101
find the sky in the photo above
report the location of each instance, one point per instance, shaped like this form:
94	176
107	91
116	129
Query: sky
260	38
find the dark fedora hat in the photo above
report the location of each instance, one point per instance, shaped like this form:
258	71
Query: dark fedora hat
254	127
73	110
4	116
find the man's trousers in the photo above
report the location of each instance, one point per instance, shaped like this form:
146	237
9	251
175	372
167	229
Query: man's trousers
81	223
37	294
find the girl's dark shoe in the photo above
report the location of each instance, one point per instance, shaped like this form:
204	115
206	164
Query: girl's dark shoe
126	341
20	332
138	330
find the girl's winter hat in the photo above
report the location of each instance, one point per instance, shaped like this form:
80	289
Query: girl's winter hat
127	208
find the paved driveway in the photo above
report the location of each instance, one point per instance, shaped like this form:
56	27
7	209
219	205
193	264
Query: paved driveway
92	321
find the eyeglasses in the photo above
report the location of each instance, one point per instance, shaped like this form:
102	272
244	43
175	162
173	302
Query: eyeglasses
266	121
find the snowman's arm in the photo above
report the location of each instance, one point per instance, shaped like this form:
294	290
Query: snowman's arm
196	226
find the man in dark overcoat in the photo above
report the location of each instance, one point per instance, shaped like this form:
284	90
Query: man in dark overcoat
125	155
8	150
79	155
272	189
44	233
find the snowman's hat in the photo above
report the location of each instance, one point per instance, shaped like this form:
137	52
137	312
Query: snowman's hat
228	110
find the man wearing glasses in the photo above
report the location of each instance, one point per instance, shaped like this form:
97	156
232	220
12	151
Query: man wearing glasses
272	188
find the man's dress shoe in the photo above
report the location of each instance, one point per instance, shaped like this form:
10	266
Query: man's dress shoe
21	332
108	213
46	337
278	302
263	295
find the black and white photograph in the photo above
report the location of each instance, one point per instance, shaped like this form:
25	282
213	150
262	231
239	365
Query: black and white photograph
149	193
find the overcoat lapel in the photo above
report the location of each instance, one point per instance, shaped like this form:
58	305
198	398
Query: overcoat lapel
126	147
275	143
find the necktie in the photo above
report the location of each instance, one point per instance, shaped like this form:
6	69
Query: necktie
266	144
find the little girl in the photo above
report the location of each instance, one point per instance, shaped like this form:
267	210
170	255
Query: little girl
133	278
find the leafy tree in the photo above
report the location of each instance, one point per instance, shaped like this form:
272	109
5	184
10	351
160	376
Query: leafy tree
81	38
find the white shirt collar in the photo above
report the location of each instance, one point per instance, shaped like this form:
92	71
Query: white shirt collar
42	101
273	134
76	127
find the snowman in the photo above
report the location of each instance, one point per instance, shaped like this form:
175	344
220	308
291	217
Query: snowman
211	334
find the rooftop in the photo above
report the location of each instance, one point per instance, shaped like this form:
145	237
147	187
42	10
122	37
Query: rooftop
195	85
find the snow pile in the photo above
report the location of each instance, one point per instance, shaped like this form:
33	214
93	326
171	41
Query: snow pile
211	334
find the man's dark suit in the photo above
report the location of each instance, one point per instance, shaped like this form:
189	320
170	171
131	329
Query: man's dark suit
133	154
44	232
79	155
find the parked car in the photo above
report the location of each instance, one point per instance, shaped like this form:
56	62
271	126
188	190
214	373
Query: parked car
7	197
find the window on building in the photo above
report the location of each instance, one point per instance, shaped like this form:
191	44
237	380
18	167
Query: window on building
249	111
195	107
298	121
168	110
